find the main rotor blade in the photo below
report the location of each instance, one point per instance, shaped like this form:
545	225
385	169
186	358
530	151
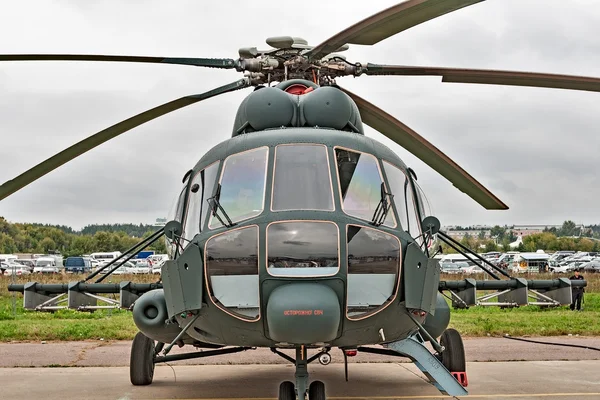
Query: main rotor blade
388	22
105	135
383	122
492	77
224	63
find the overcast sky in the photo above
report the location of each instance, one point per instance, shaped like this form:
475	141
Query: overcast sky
536	149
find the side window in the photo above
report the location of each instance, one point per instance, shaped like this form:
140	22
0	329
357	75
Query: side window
373	270
361	185
176	213
210	181
192	217
414	222
176	210
242	190
403	199
201	188
301	178
232	269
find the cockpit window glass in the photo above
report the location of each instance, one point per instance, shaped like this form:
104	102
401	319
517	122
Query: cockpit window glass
200	189
176	210
425	207
397	181
232	269
176	214
210	180
403	199
242	190
361	185
192	219
301	178
373	270
303	248
414	223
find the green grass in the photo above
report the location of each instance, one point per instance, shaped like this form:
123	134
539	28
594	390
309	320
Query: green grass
530	320
23	325
19	324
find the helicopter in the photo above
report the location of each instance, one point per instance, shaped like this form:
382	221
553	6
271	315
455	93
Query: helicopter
299	232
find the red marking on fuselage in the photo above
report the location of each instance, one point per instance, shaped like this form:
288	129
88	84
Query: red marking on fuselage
302	312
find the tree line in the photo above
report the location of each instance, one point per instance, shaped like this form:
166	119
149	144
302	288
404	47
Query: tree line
51	239
568	237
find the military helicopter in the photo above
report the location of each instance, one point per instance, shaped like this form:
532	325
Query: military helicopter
299	232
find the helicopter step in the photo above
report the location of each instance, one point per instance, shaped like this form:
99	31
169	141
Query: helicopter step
437	369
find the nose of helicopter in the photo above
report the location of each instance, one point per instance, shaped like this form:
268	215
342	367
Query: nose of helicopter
303	313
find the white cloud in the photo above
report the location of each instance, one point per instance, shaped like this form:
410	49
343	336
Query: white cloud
535	148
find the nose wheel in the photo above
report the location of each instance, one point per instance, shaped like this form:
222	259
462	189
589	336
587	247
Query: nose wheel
316	391
141	364
453	356
301	389
287	391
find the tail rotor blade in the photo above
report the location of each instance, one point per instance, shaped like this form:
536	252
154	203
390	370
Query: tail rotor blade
107	134
389	126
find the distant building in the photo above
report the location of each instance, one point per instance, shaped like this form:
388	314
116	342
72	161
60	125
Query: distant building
160	222
521	230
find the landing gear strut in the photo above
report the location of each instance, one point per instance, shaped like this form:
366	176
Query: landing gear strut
316	390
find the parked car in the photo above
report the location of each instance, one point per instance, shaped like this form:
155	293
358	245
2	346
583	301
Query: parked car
141	268
472	269
592	266
157	259
157	269
78	265
142	263
16	269
126	268
45	262
450	268
50	269
26	262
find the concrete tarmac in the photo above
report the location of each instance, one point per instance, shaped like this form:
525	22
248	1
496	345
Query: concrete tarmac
540	380
116	353
97	370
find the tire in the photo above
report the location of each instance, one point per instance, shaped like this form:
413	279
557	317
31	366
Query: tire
287	391
141	362
453	357
316	391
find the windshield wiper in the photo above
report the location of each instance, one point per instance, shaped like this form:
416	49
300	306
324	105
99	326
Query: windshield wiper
382	209
215	206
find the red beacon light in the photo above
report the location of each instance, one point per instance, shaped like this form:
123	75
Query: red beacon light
350	352
298	89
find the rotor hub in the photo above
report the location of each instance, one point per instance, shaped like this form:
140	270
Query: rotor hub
289	58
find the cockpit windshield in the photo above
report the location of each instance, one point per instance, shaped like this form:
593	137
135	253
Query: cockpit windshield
242	186
301	178
361	184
